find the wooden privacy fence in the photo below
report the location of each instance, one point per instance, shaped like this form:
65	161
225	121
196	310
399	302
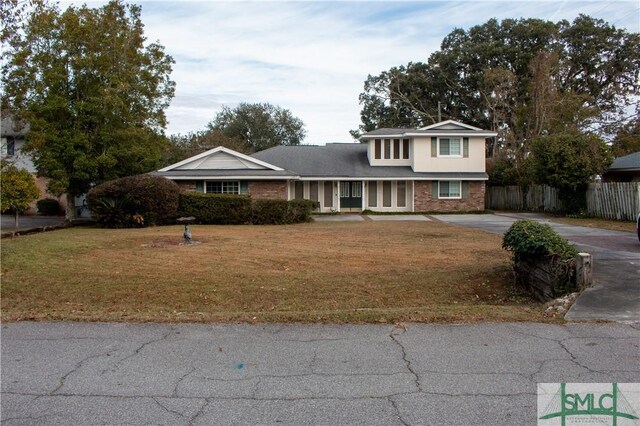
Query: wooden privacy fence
611	200
535	198
614	200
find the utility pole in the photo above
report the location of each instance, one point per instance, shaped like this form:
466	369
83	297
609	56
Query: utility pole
439	113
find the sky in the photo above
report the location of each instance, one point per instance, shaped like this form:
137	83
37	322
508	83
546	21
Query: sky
313	57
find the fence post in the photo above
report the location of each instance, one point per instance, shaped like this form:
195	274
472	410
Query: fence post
584	269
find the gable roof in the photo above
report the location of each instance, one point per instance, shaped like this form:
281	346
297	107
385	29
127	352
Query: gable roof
628	162
450	125
220	158
443	128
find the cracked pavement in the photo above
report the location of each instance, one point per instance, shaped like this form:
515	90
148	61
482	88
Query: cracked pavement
194	374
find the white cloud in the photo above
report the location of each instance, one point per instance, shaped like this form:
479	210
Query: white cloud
313	57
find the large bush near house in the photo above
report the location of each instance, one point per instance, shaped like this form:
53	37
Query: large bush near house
280	212
543	261
134	201
218	209
227	209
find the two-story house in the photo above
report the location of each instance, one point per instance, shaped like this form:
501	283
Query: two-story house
435	168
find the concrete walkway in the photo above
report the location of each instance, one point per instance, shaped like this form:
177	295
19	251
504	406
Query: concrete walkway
190	374
373	217
616	293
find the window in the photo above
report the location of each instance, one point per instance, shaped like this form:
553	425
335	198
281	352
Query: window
386	193
387	149
450	147
401	191
396	149
378	149
8	146
405	149
373	194
223	187
449	189
344	189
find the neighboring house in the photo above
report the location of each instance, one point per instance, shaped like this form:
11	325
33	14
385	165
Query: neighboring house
435	168
624	169
12	140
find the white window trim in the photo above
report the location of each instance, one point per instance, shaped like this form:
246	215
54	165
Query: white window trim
450	156
222	181
450	198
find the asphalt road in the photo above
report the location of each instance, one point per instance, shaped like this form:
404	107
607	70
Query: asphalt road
482	374
8	222
615	295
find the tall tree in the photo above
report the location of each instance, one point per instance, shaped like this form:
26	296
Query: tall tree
520	77
568	162
93	91
259	126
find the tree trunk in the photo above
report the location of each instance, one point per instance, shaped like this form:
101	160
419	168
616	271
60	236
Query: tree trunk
16	220
70	211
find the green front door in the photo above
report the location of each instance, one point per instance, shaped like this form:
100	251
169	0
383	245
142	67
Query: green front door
350	195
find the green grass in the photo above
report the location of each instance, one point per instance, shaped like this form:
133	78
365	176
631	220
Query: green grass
315	272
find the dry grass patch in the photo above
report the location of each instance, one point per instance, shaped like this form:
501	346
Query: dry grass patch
317	272
614	225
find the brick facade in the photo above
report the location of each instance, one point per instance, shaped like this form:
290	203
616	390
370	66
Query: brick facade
424	202
186	185
271	189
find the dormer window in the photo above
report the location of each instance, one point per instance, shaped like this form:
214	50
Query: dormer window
391	149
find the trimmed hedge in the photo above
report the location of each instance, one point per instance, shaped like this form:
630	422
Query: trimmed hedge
543	261
219	209
134	201
49	207
529	239
226	209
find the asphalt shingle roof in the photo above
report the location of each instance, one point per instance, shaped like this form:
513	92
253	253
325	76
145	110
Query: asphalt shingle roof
342	160
628	162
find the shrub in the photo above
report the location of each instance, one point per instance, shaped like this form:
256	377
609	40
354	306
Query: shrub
219	209
300	210
134	201
49	207
227	209
530	239
543	261
270	212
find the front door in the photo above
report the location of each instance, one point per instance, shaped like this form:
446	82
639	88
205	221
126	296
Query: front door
350	195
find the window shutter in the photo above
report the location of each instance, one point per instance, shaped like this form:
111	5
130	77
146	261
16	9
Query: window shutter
465	189
434	190
434	147
199	186
465	147
244	187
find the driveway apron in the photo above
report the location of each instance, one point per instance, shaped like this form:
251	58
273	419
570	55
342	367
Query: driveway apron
615	295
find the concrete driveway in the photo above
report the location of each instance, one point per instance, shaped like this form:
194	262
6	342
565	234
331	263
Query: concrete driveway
616	293
191	374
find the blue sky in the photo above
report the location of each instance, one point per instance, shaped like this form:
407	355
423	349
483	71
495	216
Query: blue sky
313	57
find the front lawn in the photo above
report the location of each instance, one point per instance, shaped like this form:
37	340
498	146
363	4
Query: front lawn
317	272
